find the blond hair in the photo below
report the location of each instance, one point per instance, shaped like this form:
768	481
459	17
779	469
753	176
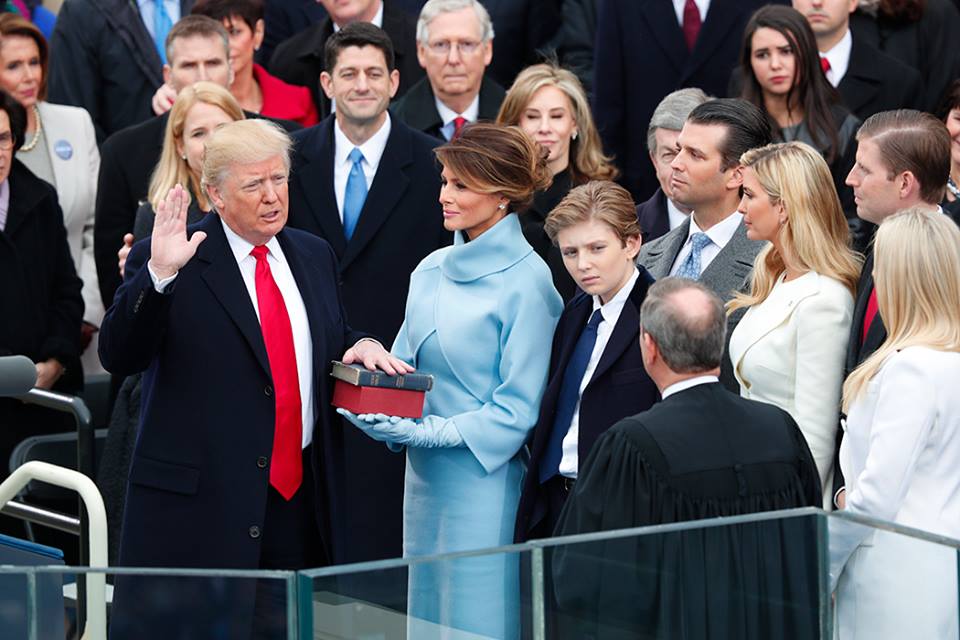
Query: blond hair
492	159
587	161
815	234
917	280
172	169
243	142
599	200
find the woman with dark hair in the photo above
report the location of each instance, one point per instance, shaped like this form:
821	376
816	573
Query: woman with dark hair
949	112
781	72
256	90
39	287
480	316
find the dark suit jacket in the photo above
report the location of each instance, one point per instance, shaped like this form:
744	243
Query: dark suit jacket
620	387
877	82
127	160
575	43
400	224
102	58
284	19
701	453
524	30
197	492
653	217
641	56
419	110
299	59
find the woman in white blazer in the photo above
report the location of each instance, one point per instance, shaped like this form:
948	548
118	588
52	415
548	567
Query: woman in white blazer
788	350
61	148
901	450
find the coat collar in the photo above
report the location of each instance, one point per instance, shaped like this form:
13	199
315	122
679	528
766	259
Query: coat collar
419	109
26	191
500	247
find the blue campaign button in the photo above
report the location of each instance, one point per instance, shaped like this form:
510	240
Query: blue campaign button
63	149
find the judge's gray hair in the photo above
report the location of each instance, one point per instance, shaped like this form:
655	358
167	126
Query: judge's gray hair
687	322
433	8
243	142
672	112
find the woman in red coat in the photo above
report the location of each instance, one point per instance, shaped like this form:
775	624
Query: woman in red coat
256	90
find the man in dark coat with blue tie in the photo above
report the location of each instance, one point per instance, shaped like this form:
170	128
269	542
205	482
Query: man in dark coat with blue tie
238	460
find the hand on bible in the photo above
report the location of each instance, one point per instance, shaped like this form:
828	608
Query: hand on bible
169	247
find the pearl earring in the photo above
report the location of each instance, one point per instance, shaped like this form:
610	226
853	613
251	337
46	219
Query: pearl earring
573	136
501	206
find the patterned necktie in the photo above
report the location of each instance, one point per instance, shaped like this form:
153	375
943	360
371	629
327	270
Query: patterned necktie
691	265
286	462
161	27
691	23
355	194
458	123
569	396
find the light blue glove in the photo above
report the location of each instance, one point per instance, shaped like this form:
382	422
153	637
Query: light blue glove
431	432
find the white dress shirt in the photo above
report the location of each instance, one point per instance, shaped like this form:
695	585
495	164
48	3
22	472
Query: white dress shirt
839	58
689	383
448	115
148	10
702	5
296	310
719	234
372	151
569	463
675	216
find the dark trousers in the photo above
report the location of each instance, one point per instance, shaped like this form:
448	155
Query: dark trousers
290	541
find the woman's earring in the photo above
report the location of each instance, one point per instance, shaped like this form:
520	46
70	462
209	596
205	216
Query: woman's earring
183	157
501	206
573	136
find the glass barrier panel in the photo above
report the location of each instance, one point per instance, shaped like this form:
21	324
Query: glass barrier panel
892	582
40	602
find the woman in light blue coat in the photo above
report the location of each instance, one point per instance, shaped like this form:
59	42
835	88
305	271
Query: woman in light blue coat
480	317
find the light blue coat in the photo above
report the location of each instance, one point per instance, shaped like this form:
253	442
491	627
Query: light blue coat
480	317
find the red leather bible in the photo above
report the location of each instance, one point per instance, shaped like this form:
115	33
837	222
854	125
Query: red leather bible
392	402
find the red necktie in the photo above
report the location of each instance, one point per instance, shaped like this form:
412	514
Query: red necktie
870	314
286	463
691	23
824	64
458	123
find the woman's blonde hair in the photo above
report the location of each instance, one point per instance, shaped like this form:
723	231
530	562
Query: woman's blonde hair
172	169
815	234
917	279
587	161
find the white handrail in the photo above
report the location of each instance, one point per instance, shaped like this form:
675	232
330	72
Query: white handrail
96	628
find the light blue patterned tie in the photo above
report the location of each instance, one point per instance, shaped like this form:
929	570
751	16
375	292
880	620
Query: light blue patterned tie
691	265
161	27
355	193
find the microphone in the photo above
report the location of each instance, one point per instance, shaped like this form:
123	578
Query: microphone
18	375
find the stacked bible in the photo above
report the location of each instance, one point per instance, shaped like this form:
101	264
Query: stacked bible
360	390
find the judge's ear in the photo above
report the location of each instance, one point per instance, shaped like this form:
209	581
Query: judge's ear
648	349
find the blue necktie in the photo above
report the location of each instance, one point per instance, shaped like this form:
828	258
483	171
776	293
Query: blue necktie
355	194
161	27
691	265
569	396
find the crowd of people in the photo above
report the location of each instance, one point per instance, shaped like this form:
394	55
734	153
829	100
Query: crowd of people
664	263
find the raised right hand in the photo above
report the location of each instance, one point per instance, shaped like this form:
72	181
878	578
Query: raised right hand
169	247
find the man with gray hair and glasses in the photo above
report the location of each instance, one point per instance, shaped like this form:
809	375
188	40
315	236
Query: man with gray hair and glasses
702	452
661	213
455	47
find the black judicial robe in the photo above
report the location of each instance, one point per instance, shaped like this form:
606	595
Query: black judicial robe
700	453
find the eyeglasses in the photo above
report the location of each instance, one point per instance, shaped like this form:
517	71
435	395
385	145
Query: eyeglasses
464	48
6	140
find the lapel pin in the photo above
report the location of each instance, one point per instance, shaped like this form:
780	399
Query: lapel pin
63	149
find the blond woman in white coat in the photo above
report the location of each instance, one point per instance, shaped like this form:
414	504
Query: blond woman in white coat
789	348
61	148
901	451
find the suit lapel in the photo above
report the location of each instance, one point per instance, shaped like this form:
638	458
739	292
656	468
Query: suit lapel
728	272
666	31
627	330
389	185
126	24
662	255
860	83
316	183
222	276
22	200
721	17
579	314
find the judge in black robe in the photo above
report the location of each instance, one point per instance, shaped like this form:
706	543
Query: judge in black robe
702	452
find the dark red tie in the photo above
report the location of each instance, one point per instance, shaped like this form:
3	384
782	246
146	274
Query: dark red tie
870	314
824	64
286	463
458	123
691	23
